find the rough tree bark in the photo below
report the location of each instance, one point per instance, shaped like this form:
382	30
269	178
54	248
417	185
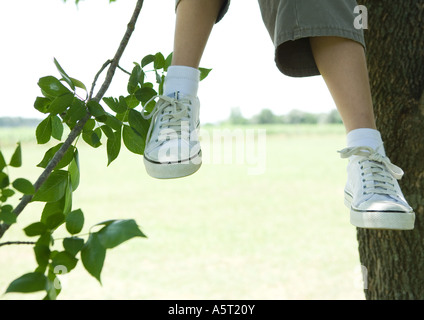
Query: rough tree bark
395	55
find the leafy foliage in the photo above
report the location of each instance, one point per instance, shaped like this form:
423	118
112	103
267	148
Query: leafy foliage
112	121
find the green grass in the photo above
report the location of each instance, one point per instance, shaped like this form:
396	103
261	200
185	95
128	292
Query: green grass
219	234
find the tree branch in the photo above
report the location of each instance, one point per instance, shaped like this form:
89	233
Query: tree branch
123	70
78	128
16	242
108	62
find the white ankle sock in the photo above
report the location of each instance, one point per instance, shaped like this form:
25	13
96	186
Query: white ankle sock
366	137
182	79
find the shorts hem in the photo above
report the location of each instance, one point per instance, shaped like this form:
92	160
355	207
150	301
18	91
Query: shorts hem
307	67
327	31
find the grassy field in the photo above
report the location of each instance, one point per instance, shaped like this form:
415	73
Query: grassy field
220	234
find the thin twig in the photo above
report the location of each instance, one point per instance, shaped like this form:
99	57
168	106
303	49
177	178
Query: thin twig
16	242
108	62
78	128
123	70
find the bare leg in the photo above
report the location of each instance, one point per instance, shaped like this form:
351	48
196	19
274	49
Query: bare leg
343	66
195	19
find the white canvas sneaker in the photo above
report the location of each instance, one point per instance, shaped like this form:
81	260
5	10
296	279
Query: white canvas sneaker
172	142
372	192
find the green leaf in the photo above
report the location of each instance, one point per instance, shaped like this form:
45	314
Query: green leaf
161	84
55	220
53	189
105	223
113	122
7	193
54	287
42	104
113	147
35	229
91	138
147	60
30	282
23	186
44	131
2	162
138	123
4	180
111	102
42	256
158	78
131	101
134	79
122	105
45	239
67	206
7	215
75	221
204	73
64	75
168	62
118	232
74	171
133	140
61	103
73	245
145	94
51	209
16	160
159	61
78	84
93	256
76	111
52	86
65	259
66	159
95	109
57	128
108	131
148	108
89	125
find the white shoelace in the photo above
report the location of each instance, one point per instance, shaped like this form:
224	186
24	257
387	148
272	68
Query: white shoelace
170	109
377	170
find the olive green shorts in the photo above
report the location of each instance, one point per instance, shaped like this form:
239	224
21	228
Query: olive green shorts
291	23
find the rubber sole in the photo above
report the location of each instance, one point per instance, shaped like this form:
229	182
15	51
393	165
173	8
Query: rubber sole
387	220
173	170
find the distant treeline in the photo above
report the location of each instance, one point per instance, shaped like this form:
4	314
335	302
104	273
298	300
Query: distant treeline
18	122
266	116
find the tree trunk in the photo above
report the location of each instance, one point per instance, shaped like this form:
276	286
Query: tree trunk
394	260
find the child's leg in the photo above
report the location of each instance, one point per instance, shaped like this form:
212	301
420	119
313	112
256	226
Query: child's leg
372	192
194	23
195	19
172	145
343	66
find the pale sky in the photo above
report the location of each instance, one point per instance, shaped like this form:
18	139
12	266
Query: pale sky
240	52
